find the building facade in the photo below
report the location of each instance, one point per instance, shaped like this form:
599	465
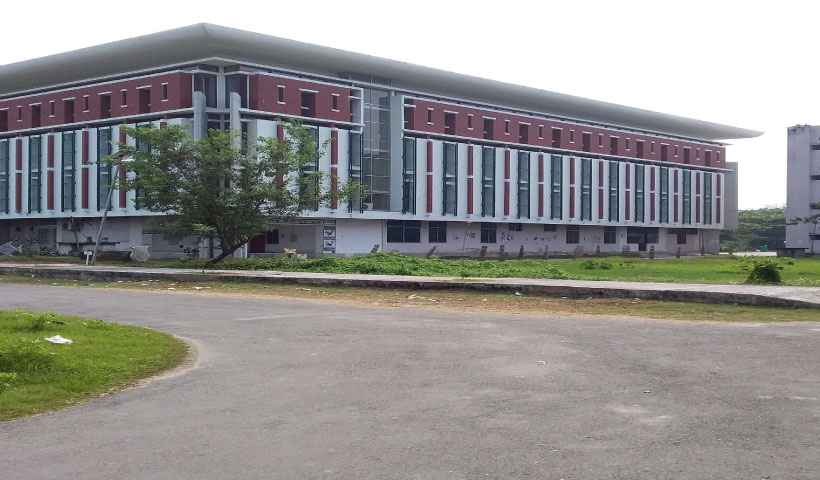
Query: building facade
452	165
803	188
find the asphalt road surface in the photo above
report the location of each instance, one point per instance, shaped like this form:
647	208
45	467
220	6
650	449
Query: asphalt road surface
295	389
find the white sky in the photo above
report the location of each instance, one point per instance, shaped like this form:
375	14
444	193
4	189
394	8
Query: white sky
748	64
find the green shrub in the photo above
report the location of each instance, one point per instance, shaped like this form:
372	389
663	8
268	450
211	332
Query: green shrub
551	271
7	380
596	265
25	356
763	271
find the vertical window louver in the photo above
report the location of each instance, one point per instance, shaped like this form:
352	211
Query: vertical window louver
523	185
409	176
556	179
69	163
488	182
450	178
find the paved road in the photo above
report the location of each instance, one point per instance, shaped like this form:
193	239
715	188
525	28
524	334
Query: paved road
289	389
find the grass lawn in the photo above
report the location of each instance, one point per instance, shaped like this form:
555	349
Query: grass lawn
709	269
36	376
507	303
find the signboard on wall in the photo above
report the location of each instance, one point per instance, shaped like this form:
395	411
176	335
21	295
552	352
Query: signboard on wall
329	237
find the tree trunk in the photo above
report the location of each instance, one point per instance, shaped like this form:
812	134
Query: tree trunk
226	252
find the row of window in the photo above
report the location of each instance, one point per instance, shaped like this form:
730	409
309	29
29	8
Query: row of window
69	107
556	135
69	172
556	163
409	231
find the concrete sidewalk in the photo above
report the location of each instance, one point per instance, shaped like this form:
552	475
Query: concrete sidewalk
705	293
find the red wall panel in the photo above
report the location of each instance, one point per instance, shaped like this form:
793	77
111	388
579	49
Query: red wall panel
263	96
571	138
179	97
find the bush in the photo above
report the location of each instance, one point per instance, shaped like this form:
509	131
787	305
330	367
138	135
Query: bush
763	271
25	356
596	265
7	380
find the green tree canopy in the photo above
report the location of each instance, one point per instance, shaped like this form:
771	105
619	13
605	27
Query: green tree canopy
211	188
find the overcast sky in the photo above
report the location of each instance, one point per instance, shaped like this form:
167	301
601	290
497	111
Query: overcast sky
729	62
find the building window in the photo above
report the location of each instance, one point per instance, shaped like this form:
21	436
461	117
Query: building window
613	145
610	235
409	176
308	104
572	136
470	121
69	171
280	94
36	116
4	120
686	154
540	131
429	116
515	227
124	98
556	138
437	232
707	198
664	153
488	232
308	178
52	108
409	120
450	179
687	196
681	237
104	168
627	144
489	125
550	227
488	182
523	133
34	179
586	142
639	193
573	234
664	195
506	127
164	91
639	148
105	105
449	123
586	189
652	148
614	177
557	180
600	140
68	110
5	168
334	102
19	114
523	185
707	158
403	231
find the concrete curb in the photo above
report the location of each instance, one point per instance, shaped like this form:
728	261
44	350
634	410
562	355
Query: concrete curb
715	294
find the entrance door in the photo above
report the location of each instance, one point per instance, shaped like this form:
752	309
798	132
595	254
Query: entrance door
257	244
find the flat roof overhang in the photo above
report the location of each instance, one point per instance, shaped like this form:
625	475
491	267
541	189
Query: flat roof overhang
202	41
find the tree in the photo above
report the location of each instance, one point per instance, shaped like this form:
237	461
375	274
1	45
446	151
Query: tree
756	228
814	221
212	188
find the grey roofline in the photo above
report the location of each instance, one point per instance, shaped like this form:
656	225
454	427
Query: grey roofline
203	40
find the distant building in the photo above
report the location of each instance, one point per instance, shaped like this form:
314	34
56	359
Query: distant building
459	164
803	186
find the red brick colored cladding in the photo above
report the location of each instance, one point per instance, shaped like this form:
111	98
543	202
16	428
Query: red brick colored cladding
265	92
179	97
571	134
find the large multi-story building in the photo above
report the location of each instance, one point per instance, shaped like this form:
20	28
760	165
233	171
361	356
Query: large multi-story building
453	164
803	188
